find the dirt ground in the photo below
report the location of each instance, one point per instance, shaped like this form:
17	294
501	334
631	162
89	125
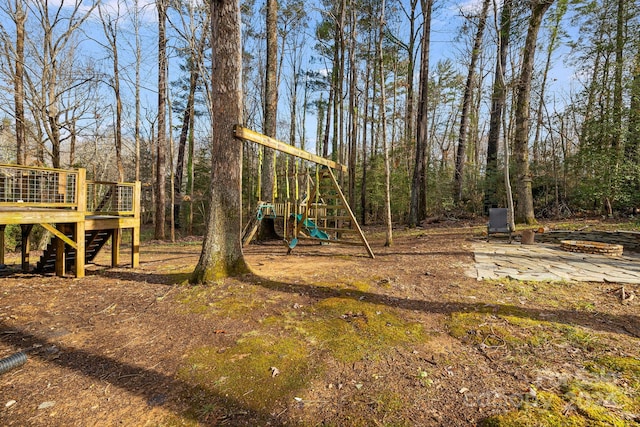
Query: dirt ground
324	336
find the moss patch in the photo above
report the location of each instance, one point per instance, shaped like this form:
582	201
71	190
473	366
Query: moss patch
627	368
515	331
352	329
233	301
580	403
244	372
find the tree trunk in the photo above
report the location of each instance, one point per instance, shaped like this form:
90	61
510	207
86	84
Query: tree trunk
221	254
409	117
551	47
353	113
616	143
417	209
138	56
498	99
383	123
109	26
162	129
267	225
21	142
524	210
466	104
365	115
194	78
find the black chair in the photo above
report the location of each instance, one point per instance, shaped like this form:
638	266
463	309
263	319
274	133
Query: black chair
498	222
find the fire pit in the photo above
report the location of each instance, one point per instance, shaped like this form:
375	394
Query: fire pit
588	247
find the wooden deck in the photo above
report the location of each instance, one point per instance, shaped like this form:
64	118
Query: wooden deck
72	208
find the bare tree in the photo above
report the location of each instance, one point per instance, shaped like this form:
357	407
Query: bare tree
110	21
57	85
221	254
466	103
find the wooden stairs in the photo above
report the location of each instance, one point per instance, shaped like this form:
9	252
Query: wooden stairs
94	241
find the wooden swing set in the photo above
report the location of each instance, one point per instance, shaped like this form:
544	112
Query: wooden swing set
323	215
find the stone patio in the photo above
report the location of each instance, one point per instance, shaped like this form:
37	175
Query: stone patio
547	262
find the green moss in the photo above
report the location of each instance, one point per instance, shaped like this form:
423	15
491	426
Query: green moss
581	403
243	373
499	330
351	330
515	330
602	403
235	301
627	367
546	410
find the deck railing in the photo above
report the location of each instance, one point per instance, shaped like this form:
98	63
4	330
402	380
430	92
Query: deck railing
38	187
110	198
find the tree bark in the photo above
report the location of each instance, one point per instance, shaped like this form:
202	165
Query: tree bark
161	149
417	209
383	122
221	254
271	100
353	112
524	210
267	226
189	110
21	142
498	99
616	142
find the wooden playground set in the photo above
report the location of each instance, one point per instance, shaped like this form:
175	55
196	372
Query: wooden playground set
82	215
322	214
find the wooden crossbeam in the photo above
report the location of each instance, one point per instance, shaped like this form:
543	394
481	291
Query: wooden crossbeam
60	235
249	135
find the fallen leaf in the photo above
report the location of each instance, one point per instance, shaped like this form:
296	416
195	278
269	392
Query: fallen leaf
46	405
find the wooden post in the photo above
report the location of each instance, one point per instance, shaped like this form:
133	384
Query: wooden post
2	244
135	231
61	266
116	238
26	232
81	200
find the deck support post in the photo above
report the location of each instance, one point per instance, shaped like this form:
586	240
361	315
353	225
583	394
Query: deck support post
2	244
26	242
116	238
81	200
61	262
135	231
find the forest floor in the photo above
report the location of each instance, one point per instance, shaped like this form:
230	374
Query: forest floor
324	336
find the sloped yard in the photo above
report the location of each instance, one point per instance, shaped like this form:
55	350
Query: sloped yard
325	336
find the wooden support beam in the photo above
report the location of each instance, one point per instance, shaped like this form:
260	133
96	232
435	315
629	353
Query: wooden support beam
61	261
116	238
249	135
2	244
60	235
80	250
26	242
